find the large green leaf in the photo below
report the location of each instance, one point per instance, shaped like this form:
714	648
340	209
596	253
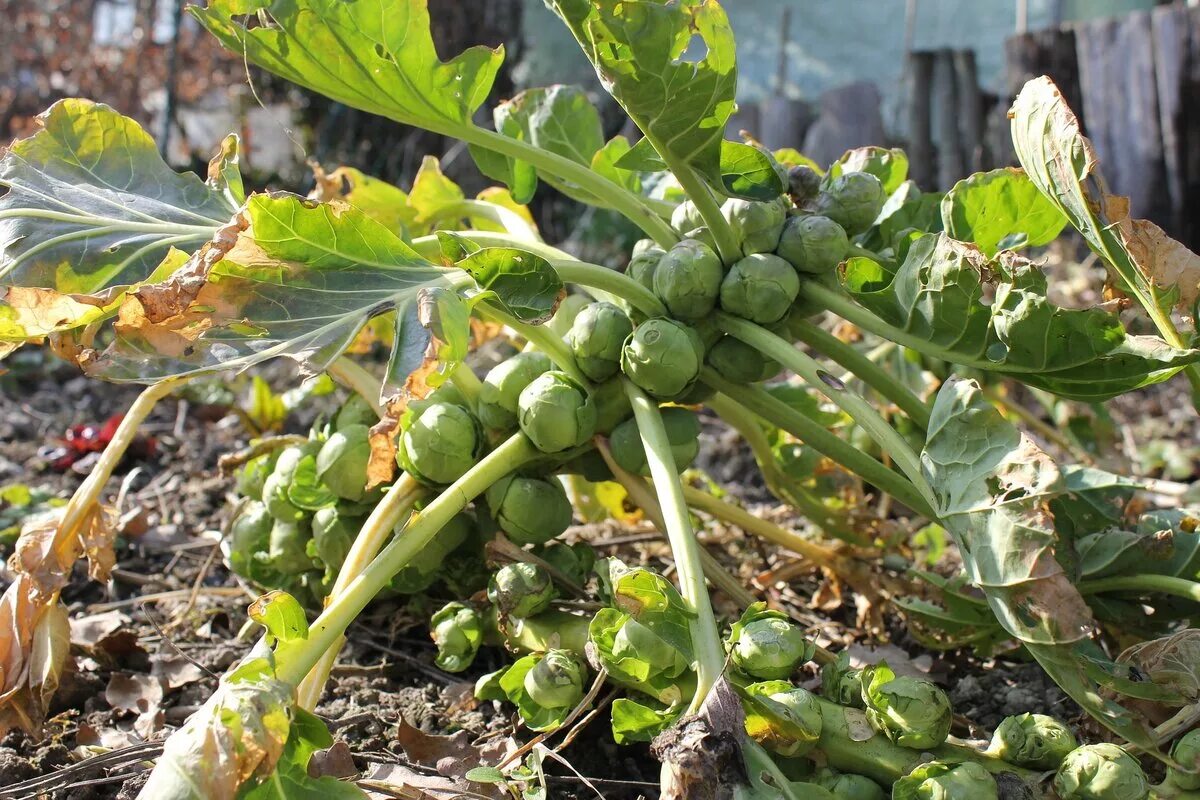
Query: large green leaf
1061	162
992	484
91	204
935	302
375	55
1001	210
643	53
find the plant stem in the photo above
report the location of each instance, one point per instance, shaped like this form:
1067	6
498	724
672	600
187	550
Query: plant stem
781	485
541	337
295	659
1161	584
706	641
607	192
354	376
467	383
511	221
394	506
781	415
702	197
851	402
864	368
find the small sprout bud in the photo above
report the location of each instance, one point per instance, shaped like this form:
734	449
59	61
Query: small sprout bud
612	405
783	718
529	510
567	311
342	462
1034	741
686	216
756	224
813	245
1187	752
1101	772
440	443
804	183
556	681
736	361
688	279
253	475
704	235
502	387
683	433
521	590
288	547
663	357
852	200
423	568
250	534
937	780
596	337
643	264
760	288
911	712
275	488
457	630
332	535
556	413
841	683
766	645
573	560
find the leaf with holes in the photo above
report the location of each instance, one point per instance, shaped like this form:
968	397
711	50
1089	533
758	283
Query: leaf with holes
1000	210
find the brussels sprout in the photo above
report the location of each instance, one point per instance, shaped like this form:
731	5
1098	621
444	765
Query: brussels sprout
766	645
342	462
355	411
1101	772
804	183
555	412
1032	740
596	337
556	681
909	711
422	570
573	560
633	640
642	246
756	224
529	510
568	309
1187	752
502	386
686	216
643	264
439	444
847	786
841	683
521	590
663	357
253	475
783	718
683	433
937	780
704	236
852	200
288	551
457	630
736	361
249	536
814	245
612	405
688	279
332	535
760	288
275	488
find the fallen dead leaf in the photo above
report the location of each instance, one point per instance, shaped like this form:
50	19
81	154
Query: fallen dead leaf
137	694
175	670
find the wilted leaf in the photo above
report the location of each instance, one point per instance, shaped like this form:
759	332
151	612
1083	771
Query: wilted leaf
936	301
91	203
1001	210
1172	662
140	695
1060	160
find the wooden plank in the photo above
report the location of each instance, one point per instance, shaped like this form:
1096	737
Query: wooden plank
950	162
971	114
1177	69
920	144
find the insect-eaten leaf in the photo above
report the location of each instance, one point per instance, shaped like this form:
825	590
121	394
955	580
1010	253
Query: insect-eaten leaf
1001	210
936	299
379	200
1062	163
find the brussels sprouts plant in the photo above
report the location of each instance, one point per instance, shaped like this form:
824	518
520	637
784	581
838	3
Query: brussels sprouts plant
826	313
1187	753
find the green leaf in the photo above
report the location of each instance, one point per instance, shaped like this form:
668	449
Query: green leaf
300	282
91	204
305	490
1061	162
432	193
936	301
633	721
525	284
290	779
889	165
992	484
282	616
1001	210
379	200
374	55
642	51
485	775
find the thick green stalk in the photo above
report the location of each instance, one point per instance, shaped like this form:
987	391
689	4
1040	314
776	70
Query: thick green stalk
706	641
863	413
781	415
293	660
1159	584
467	383
702	197
781	485
864	368
349	372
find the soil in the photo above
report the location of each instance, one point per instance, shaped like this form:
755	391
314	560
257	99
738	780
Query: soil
386	673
